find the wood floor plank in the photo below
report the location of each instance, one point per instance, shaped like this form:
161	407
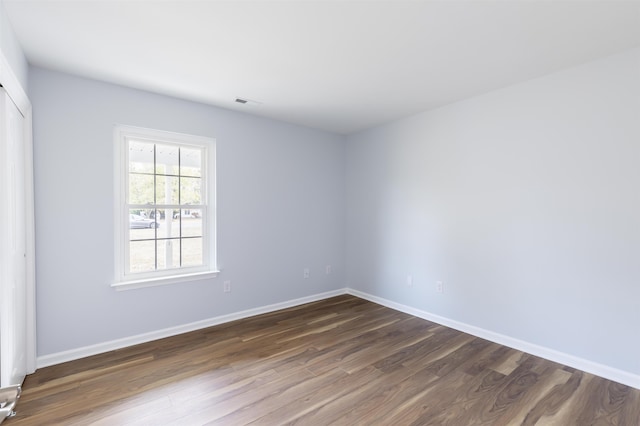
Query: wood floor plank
392	398
548	406
491	355
276	400
428	400
463	405
545	381
339	361
340	407
314	401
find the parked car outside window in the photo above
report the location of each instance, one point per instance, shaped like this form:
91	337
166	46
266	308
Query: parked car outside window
136	221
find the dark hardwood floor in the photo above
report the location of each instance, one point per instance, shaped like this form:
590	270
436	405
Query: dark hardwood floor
341	361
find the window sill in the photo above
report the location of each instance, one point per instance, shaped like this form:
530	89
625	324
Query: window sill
157	281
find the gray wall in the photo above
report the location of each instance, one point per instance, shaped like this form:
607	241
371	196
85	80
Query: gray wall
11	49
280	208
524	201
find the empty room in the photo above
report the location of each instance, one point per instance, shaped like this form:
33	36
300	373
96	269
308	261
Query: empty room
319	212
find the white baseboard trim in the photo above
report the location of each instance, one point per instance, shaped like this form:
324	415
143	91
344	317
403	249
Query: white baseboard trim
601	370
597	369
73	354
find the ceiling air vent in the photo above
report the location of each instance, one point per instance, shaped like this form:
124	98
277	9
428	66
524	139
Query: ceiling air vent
248	102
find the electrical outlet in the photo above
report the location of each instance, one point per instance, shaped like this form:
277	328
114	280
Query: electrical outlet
306	273
226	286
328	269
409	280
439	287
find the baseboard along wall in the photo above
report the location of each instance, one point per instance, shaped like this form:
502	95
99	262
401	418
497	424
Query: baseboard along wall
591	367
73	354
597	369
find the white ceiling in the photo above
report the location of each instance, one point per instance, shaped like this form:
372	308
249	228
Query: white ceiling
336	65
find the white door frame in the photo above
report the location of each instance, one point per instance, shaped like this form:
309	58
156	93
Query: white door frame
14	89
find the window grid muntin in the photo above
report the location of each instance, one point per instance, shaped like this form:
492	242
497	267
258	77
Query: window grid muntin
203	206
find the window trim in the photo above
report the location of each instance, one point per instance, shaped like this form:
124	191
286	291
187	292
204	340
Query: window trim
124	280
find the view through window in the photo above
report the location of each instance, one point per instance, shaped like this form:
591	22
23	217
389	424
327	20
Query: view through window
165	206
165	203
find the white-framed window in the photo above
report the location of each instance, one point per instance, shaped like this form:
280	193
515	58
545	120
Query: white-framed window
165	207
